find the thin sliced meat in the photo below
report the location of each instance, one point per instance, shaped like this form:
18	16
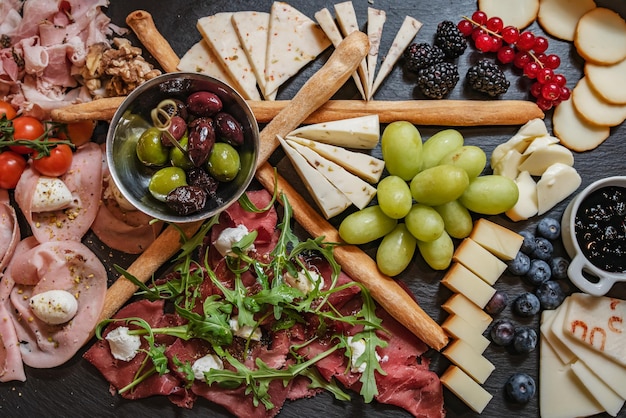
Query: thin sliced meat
9	229
11	365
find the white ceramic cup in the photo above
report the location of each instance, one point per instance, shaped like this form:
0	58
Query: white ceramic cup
581	269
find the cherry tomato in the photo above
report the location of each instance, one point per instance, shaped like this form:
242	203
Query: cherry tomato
12	166
7	110
26	127
78	132
55	164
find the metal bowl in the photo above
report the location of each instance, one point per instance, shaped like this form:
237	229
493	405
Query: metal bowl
133	117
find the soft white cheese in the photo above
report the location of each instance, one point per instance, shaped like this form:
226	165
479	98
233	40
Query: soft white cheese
230	236
357	349
245	331
204	364
123	346
54	306
306	281
50	194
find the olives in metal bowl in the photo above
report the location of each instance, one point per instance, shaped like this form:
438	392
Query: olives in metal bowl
182	147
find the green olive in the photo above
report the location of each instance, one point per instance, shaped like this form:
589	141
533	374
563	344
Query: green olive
223	163
165	180
150	149
178	158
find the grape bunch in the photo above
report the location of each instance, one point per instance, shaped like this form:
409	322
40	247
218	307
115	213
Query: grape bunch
524	50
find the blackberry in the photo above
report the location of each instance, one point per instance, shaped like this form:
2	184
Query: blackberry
487	77
438	80
418	56
450	39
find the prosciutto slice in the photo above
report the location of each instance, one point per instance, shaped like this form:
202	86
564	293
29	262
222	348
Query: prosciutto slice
9	229
38	268
84	180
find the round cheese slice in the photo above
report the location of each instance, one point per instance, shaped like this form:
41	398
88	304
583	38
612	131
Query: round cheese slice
573	131
601	36
593	108
518	13
560	17
609	81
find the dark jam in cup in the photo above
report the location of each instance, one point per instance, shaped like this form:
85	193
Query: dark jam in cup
601	228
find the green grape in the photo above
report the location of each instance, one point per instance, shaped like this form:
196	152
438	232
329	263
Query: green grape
438	185
178	158
150	150
165	180
395	251
394	197
469	157
490	195
437	253
456	218
424	223
439	145
366	225
401	144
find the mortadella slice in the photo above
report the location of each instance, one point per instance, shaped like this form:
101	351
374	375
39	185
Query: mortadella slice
9	229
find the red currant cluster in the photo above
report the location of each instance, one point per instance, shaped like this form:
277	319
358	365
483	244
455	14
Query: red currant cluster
525	50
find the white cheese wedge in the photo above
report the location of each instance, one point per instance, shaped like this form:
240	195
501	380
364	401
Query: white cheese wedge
466	389
50	194
530	130
459	328
461	280
479	260
327	23
611	402
363	165
557	182
408	30
508	165
329	199
497	239
362	132
252	30
540	142
346	18
561	350
358	191
54	307
294	41
221	36
538	161
200	58
474	364
460	305
526	206
375	22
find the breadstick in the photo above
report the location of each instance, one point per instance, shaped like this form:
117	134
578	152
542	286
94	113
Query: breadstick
99	109
419	112
142	24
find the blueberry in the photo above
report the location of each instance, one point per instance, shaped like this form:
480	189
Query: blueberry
520	387
528	246
497	303
550	294
526	304
519	265
524	340
549	228
558	266
543	249
502	332
538	273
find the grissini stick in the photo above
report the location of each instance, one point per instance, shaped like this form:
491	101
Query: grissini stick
142	24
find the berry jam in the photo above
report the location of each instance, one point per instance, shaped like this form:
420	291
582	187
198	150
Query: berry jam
601	228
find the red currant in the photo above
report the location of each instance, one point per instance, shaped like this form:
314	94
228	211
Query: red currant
545	75
551	91
483	42
479	17
465	27
495	24
477	32
526	41
541	44
559	79
510	34
565	93
521	59
496	44
553	61
535	89
531	69
544	104
506	54
541	58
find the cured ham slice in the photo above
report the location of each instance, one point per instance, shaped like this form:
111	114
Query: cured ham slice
11	366
84	180
9	229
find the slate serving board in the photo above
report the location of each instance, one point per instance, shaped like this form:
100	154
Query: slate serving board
76	389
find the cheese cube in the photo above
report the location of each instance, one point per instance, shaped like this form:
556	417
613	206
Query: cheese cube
460	305
500	241
466	389
461	280
480	261
459	328
474	364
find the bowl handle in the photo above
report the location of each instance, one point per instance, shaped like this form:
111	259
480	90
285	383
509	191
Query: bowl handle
575	272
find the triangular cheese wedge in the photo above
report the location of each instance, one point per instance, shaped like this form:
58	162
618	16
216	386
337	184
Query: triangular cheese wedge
328	198
405	35
220	35
252	29
375	22
200	58
346	17
358	191
294	41
363	165
361	132
327	23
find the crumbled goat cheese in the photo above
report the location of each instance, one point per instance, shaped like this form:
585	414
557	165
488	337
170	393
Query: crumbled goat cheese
306	281
357	348
245	331
123	346
206	363
230	236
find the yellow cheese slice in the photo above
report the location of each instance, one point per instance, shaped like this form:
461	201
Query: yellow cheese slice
461	280
460	305
526	206
474	364
556	183
466	389
479	260
459	328
497	239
